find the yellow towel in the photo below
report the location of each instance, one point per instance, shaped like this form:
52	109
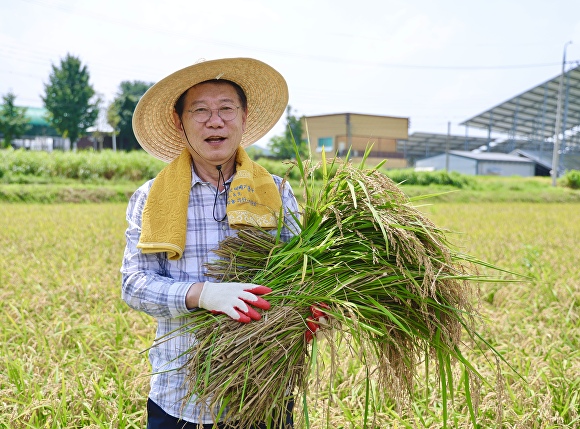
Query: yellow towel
253	200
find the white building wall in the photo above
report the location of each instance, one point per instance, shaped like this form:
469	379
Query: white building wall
471	166
434	163
42	143
462	165
495	168
456	163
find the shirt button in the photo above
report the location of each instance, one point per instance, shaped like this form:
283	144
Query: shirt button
224	227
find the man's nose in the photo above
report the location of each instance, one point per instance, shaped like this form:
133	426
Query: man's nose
215	119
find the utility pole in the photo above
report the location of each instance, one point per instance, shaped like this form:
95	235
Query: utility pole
447	147
556	152
348	132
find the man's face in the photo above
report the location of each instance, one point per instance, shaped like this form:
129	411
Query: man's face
214	141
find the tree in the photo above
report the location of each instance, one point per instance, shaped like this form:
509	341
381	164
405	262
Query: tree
70	99
120	111
283	146
13	120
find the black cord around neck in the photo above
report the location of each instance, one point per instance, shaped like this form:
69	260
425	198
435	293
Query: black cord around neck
221	179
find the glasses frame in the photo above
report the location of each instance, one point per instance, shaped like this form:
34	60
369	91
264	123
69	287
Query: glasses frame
218	113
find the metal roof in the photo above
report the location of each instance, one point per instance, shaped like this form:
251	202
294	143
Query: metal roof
541	158
490	156
422	145
568	161
531	115
37	116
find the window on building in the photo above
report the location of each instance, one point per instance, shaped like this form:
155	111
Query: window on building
324	143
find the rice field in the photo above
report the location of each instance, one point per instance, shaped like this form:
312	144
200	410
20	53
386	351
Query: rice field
71	350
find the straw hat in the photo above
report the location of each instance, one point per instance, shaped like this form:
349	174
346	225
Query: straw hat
265	89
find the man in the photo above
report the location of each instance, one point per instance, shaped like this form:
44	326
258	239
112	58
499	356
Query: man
200	119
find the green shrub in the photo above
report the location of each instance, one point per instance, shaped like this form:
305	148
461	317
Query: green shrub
21	166
279	168
409	176
571	179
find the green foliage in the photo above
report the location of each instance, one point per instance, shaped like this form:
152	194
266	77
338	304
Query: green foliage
13	120
68	98
288	170
571	179
255	152
409	176
128	169
283	146
50	193
19	166
282	169
120	112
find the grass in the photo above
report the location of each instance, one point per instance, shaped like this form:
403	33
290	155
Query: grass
65	193
499	189
535	325
70	349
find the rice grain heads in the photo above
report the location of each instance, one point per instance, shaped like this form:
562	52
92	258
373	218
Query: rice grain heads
400	297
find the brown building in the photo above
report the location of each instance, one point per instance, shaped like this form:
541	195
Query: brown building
338	132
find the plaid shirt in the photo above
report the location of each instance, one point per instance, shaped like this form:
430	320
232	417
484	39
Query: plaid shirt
157	286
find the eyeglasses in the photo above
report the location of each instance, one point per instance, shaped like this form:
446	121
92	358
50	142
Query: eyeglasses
227	112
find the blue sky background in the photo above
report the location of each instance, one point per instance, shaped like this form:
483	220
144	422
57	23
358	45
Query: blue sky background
434	62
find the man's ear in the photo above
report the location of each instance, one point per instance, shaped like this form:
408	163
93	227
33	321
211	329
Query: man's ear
244	117
177	122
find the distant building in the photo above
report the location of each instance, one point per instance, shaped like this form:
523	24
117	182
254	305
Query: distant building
337	133
40	136
528	121
478	164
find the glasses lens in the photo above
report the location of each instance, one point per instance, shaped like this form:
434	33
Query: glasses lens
201	114
228	112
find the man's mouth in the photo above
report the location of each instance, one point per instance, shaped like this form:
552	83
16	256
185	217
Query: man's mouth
215	139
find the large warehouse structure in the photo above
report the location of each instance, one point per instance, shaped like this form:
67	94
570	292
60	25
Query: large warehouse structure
526	122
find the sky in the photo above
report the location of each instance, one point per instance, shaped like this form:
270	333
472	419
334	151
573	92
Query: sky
434	62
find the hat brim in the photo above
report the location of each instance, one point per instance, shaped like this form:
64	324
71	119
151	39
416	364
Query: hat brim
266	91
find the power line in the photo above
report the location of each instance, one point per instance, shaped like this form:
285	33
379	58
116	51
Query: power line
318	58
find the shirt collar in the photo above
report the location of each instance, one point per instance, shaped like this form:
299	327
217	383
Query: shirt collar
195	179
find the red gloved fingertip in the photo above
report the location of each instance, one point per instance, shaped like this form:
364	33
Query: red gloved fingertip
312	326
317	313
243	318
260	303
259	290
253	314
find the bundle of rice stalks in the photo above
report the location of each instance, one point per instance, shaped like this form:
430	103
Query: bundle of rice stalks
396	289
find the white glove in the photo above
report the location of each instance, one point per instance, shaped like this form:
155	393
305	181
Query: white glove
233	299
